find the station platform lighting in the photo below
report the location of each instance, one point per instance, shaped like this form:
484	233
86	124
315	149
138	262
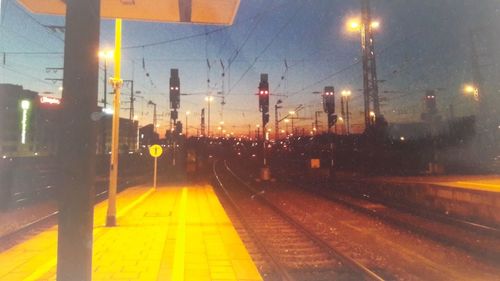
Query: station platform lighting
220	12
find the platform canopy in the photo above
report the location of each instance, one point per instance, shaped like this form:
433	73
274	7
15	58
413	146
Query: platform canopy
220	12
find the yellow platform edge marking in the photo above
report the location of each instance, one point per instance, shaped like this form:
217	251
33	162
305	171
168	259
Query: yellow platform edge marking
45	268
479	184
180	241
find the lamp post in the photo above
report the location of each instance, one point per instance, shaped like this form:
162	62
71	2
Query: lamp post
276	121
365	27
105	55
154	114
286	126
292	113
187	114
345	95
209	100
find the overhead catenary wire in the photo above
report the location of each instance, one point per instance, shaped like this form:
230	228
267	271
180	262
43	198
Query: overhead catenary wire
275	36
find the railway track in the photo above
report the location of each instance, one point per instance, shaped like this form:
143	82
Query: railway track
475	238
43	222
482	240
291	250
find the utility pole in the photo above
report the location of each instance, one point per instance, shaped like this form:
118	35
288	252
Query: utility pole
154	114
370	82
105	55
316	124
132	99
276	121
202	121
264	108
187	114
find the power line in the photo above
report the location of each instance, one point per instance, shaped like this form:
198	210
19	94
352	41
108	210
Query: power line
267	46
25	75
38	23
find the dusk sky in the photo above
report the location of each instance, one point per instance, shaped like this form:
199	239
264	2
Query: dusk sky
421	45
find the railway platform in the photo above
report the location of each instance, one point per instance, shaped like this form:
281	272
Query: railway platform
171	233
488	183
473	197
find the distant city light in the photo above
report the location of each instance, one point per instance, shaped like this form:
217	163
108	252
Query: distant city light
346	93
50	100
108	111
375	24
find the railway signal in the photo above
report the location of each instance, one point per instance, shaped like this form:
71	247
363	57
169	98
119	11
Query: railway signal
329	105
175	94
264	108
264	98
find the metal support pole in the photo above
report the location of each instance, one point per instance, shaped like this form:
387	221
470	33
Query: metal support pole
131	115
77	135
276	122
208	125
104	123
155	173
113	171
186	126
347	117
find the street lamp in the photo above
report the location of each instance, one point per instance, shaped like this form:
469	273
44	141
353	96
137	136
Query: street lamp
472	89
365	27
345	95
372	117
105	55
209	100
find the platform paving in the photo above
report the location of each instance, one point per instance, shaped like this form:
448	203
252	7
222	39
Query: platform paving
171	233
489	183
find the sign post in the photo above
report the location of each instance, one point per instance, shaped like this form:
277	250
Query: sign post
155	151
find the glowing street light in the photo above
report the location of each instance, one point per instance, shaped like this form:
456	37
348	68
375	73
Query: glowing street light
375	24
106	54
472	89
353	24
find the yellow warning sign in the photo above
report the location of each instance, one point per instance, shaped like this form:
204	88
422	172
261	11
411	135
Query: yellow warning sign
155	150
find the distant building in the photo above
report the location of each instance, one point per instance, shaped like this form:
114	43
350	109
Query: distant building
27	122
147	136
128	134
29	125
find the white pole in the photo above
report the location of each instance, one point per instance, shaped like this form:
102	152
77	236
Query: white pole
113	171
